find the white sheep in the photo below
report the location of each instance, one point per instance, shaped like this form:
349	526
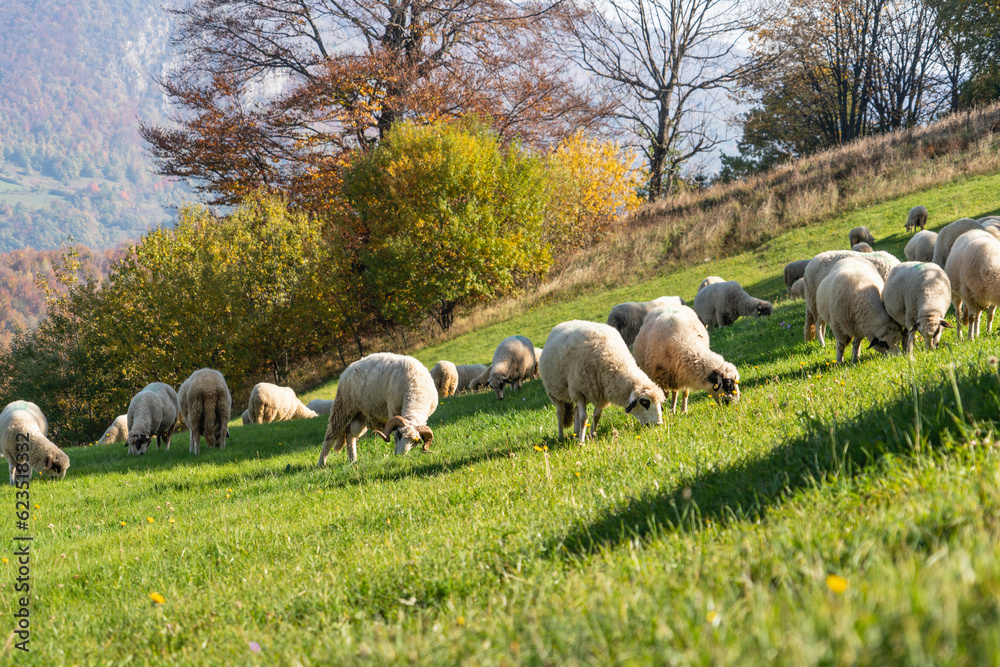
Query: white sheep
721	304
205	406
920	247
117	432
513	362
819	266
948	235
798	290
382	388
917	295
793	272
860	235
152	412
271	403
445	375
627	317
917	217
672	348
711	280
974	270
320	406
482	381
862	247
25	445
588	362
245	417
849	299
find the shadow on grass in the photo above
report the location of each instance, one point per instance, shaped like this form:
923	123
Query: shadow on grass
745	492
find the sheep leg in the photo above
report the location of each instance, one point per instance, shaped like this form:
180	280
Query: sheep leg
597	417
841	346
563	416
974	315
673	405
821	332
195	438
580	423
911	338
13	467
856	349
809	331
687	392
989	319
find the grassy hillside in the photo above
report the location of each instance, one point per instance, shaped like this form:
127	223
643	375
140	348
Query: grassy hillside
836	515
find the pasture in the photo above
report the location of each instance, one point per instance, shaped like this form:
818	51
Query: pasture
835	515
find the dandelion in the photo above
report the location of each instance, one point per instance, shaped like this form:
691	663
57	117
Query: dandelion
230	490
123	523
157	598
577	474
537	448
5	561
149	519
227	495
460	620
836	583
171	521
37	506
714	618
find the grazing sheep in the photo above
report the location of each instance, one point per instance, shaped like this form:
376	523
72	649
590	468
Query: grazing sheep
467	374
920	247
917	217
205	405
627	317
860	235
271	403
152	412
513	361
917	296
445	375
721	304
794	271
320	406
948	235
588	362
382	388
711	280
246	416
481	381
798	290
863	247
117	432
672	349
849	299
820	266
23	442
974	270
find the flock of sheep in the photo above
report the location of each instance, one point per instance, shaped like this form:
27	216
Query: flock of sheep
644	350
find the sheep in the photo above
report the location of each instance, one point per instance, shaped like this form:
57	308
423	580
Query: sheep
627	317
672	348
862	247
711	280
820	266
205	405
721	304
382	388
974	270
849	299
321	406
152	412
798	290
245	417
920	247
271	403
117	432
948	235
513	361
482	380
917	295
794	271
917	217
23	442
588	362
860	235
445	376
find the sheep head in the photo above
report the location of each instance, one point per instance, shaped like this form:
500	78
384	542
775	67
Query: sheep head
138	442
56	463
497	383
724	384
764	308
646	405
889	341
406	434
931	329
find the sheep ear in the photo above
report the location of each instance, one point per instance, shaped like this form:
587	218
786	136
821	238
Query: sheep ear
873	342
947	325
631	406
48	462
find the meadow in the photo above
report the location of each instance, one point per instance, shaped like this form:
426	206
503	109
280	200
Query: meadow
836	515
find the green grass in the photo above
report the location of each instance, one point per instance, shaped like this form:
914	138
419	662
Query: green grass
709	539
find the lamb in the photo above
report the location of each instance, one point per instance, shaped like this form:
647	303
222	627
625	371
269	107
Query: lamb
382	388
849	299
271	403
245	417
794	271
862	247
205	405
321	406
152	412
588	362
445	376
721	304
513	361
917	217
820	266
920	247
23	442
117	432
948	235
798	290
974	270
711	280
627	317
917	295
860	235
672	349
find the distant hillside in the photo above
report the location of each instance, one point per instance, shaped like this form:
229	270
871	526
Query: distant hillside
74	80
